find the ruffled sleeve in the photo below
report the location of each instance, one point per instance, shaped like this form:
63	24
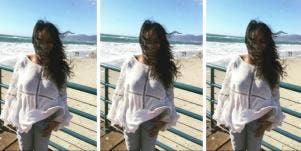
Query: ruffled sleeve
276	116
62	116
224	92
12	90
118	93
170	117
11	94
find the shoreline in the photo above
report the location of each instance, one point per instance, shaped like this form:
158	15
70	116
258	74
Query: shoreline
9	51
225	61
118	62
114	53
221	52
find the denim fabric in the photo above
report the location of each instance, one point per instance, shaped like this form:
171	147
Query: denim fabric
140	140
33	140
246	139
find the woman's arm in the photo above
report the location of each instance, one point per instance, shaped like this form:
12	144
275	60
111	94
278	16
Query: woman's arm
223	94
11	94
12	90
118	93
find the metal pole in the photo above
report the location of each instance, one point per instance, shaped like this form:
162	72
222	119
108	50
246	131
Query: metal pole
106	99
211	96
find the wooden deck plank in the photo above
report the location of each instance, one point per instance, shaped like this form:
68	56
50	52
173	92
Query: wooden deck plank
120	146
216	140
226	146
13	146
114	140
111	140
6	139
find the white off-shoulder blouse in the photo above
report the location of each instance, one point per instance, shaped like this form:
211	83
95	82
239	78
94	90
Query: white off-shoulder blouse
31	98
245	98
139	98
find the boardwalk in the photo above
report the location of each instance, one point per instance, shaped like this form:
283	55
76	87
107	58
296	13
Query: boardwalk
113	140
218	140
8	138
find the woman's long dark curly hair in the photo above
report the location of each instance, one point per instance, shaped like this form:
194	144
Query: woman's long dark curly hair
161	61
266	61
53	61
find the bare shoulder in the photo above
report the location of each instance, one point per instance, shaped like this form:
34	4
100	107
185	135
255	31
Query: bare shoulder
243	56
30	56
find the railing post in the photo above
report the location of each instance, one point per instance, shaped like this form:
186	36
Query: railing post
0	90
106	99
212	82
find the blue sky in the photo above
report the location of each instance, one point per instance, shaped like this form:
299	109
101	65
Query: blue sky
125	17
231	17
18	17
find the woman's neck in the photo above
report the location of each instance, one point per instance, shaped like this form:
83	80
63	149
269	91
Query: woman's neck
34	58
141	59
247	59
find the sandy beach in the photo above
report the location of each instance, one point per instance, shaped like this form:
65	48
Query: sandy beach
84	72
191	73
288	99
291	100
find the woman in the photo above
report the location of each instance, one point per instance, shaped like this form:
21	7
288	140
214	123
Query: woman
248	103
36	99
143	101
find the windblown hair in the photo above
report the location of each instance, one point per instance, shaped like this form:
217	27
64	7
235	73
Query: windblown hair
53	62
161	61
267	63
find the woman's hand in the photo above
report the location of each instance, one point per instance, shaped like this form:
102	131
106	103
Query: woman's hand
264	124
263	127
157	124
156	128
50	127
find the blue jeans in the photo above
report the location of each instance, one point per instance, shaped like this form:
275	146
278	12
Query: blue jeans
33	140
246	139
140	140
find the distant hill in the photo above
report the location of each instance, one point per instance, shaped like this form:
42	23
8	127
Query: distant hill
186	38
81	38
174	37
290	38
280	37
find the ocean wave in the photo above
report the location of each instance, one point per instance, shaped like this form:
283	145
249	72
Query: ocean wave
9	51
220	53
114	53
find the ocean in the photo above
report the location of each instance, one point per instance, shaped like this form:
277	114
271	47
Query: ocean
115	48
222	48
11	47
